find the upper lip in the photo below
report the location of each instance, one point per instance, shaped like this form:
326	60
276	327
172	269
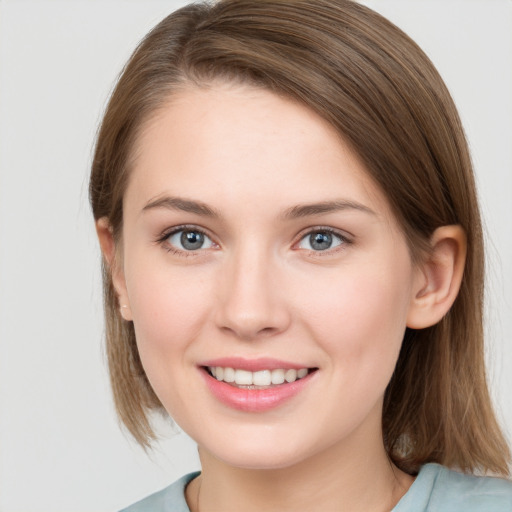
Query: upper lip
253	365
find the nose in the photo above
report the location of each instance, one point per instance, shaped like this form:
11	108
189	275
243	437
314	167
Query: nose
252	303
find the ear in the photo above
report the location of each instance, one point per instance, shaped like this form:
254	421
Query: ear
439	279
109	251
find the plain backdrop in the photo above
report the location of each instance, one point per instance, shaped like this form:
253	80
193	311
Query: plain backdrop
61	448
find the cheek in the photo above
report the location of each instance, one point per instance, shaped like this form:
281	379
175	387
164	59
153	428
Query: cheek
168	307
359	316
168	314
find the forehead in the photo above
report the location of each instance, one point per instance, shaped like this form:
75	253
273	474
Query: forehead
226	142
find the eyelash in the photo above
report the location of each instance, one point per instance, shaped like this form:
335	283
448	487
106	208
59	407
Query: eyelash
164	237
345	240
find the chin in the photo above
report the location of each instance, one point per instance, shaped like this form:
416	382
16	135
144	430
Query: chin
264	455
261	461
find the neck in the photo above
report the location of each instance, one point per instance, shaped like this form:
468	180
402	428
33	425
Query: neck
340	478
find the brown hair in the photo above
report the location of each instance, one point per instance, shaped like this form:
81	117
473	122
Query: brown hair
383	95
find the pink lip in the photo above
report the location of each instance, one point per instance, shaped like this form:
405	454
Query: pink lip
252	365
253	400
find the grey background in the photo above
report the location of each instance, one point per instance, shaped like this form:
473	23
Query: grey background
60	445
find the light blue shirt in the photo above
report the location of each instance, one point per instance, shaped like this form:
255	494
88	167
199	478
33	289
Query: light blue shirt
436	489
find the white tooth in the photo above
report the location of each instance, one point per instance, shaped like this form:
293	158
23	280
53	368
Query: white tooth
219	373
302	373
229	375
243	377
212	370
290	375
277	376
262	378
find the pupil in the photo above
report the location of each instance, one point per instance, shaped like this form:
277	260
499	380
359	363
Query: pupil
321	241
191	240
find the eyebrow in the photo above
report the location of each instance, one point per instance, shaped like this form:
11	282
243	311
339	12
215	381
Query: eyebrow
181	204
306	210
294	212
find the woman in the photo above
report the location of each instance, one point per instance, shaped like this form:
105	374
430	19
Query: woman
293	263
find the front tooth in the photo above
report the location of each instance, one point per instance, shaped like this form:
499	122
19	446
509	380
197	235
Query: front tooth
243	377
229	375
219	373
262	378
290	375
277	376
302	373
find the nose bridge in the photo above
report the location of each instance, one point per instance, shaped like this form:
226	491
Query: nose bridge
250	304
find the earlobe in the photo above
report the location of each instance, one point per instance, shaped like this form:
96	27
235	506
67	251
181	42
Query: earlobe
440	277
108	249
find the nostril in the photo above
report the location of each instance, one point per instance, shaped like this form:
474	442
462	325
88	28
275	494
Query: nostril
249	306
249	333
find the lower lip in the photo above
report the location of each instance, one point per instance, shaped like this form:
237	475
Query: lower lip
254	400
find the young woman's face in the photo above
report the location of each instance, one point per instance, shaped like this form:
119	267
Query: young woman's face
254	242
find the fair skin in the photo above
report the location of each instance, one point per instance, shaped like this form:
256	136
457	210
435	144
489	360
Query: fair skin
252	231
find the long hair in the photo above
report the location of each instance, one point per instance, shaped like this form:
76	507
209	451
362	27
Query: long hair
377	88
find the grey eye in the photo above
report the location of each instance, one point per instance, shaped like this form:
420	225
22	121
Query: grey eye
320	241
190	240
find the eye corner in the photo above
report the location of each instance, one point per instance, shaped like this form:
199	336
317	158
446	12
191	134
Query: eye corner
176	240
328	241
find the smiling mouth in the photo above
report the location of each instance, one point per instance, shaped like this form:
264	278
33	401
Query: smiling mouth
262	379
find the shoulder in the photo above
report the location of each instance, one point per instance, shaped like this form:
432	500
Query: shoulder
439	489
170	499
471	493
